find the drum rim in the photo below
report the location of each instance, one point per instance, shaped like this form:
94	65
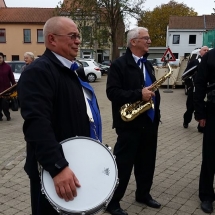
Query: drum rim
99	206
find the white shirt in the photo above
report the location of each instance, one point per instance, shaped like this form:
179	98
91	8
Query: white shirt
136	60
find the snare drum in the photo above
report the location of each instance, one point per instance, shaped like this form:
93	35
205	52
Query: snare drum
95	167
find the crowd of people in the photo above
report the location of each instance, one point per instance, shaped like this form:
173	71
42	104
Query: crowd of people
49	118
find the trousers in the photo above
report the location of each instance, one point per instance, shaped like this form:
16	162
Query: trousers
135	148
4	106
206	190
39	204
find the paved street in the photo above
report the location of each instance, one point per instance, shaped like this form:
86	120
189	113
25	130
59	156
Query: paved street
177	167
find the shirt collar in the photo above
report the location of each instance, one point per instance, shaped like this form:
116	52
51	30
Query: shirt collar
67	63
135	58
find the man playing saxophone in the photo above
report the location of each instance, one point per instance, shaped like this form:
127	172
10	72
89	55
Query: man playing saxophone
129	79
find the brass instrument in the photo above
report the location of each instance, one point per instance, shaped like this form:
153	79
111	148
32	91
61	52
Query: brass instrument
189	73
130	111
11	92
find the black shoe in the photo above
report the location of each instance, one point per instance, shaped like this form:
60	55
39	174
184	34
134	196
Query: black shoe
185	125
117	211
151	203
8	118
1	119
207	206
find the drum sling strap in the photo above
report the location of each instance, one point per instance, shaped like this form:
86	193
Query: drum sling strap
92	111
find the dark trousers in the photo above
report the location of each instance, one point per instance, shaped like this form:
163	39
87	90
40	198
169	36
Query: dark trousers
188	115
39	204
135	148
190	107
206	190
4	106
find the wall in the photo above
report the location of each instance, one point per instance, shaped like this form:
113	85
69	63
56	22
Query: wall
14	41
184	46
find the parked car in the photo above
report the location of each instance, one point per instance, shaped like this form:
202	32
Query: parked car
16	67
91	69
103	68
106	62
175	63
157	62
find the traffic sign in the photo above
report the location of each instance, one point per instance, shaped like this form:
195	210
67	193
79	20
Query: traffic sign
168	55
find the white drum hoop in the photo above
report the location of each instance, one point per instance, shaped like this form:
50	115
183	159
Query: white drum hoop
105	168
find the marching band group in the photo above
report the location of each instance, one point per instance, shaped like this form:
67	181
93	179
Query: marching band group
49	119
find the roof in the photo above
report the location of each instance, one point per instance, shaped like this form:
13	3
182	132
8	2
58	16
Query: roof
192	22
2	3
25	15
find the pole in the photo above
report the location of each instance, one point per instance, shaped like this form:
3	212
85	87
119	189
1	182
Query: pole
168	90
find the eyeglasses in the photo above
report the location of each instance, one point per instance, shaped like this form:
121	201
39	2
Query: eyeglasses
145	38
72	36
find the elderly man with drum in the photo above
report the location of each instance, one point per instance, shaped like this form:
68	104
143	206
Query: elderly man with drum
56	105
188	76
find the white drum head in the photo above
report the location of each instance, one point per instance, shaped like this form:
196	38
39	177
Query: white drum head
95	168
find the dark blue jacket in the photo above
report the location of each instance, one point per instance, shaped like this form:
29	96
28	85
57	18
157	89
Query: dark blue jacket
124	85
54	109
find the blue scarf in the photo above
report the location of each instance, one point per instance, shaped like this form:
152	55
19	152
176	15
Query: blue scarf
96	126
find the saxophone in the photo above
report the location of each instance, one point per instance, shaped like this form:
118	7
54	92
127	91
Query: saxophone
130	111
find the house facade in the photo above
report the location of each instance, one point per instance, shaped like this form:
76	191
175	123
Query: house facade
21	30
185	33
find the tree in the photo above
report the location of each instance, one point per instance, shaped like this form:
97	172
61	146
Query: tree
108	14
213	10
157	20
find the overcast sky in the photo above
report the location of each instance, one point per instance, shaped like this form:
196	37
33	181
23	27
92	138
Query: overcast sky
201	7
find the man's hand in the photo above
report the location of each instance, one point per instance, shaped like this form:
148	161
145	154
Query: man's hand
65	184
147	93
202	122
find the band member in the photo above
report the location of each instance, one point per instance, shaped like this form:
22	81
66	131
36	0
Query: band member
6	81
190	85
129	80
52	99
205	115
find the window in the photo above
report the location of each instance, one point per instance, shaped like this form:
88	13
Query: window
175	55
86	54
84	64
40	38
27	35
2	36
186	55
176	39
86	34
192	39
15	57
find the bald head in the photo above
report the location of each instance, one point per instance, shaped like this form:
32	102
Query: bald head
54	25
61	36
203	50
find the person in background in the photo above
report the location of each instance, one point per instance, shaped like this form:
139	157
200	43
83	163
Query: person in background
28	58
129	80
53	101
190	84
6	81
205	115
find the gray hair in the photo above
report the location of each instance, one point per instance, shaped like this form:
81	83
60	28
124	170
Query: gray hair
30	54
133	33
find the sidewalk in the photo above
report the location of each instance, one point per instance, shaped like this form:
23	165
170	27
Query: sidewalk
177	167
